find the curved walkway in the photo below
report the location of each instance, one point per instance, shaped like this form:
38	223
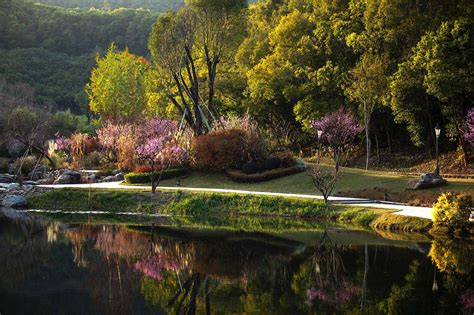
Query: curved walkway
411	211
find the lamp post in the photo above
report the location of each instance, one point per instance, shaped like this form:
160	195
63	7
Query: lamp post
320	132
437	133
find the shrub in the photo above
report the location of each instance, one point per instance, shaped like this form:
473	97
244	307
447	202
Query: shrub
81	144
144	178
254	143
3	165
241	177
286	158
271	163
452	211
219	150
142	168
106	170
92	160
250	168
27	164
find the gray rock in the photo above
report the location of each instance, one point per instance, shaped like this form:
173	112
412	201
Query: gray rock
108	179
120	176
6	178
36	176
14	201
9	186
69	177
30	182
46	181
428	180
115	172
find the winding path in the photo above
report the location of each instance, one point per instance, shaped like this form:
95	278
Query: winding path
411	211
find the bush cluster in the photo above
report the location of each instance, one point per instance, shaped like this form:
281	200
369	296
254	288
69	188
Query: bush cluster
219	150
452	211
241	177
144	178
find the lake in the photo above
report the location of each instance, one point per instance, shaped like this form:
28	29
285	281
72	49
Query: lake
53	267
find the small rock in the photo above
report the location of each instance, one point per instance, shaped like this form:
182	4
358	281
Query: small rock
120	176
14	201
6	178
10	186
30	182
107	179
46	181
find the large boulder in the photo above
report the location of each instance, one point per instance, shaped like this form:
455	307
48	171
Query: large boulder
11	186
14	201
119	176
68	177
428	180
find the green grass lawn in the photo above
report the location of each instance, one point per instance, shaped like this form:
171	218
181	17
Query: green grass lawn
352	179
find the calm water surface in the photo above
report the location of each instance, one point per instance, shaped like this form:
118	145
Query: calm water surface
50	267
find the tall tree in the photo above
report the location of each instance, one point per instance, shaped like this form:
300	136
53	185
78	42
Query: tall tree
187	48
117	86
367	87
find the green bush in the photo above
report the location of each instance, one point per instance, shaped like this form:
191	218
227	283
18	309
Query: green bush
241	177
452	211
3	165
27	166
144	178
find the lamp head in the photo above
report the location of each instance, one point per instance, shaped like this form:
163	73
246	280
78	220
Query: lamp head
437	130
320	133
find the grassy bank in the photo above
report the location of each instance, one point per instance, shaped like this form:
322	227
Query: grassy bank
354	182
245	212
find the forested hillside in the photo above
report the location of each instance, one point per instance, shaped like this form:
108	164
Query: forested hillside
157	5
53	49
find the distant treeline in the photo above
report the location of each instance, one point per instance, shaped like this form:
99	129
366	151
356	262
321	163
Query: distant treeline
53	48
157	5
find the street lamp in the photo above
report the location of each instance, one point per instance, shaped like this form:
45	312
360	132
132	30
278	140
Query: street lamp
437	133
320	132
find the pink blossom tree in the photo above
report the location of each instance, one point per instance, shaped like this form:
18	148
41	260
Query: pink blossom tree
157	145
338	131
469	134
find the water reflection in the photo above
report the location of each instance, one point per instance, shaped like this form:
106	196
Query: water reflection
51	267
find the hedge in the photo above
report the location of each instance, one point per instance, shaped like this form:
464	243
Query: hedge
241	177
144	178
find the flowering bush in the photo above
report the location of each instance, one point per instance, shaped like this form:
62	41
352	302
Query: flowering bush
469	134
452	211
79	146
219	150
112	138
253	141
338	131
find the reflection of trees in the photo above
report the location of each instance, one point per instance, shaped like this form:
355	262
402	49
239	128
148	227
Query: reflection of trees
22	243
452	256
329	281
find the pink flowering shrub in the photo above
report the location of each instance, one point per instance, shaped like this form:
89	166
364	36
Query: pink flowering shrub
469	134
339	130
254	142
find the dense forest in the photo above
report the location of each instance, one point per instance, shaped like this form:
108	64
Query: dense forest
53	49
400	66
157	5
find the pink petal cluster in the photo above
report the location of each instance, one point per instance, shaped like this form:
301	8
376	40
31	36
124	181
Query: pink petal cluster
469	134
338	128
62	143
110	133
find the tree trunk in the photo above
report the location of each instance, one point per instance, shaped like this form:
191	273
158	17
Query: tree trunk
367	114
387	131
377	148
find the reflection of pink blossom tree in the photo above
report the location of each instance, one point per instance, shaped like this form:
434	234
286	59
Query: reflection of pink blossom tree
157	145
469	134
153	266
338	131
330	284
